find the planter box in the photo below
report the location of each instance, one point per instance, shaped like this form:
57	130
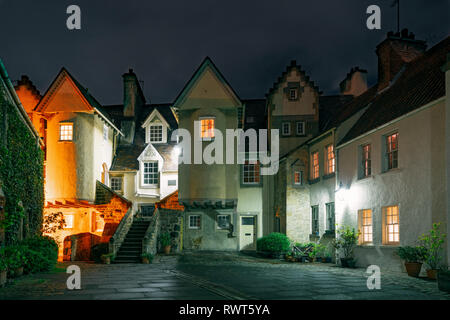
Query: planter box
443	279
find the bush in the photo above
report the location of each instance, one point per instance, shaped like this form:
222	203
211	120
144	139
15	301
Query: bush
432	243
411	254
41	253
165	239
346	240
98	250
274	243
15	256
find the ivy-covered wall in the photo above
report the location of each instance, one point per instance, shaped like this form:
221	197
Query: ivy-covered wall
21	175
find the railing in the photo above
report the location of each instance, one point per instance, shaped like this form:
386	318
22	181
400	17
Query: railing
122	229
149	242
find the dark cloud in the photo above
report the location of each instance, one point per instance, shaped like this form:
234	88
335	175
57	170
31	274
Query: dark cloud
164	41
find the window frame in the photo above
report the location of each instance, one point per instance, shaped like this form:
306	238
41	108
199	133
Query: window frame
160	127
330	226
212	136
303	132
300	172
315	166
62	135
327	159
256	172
366	160
120	178
390	151
363	226
288	126
315	220
386	232
217	221
190	226
295	90
153	162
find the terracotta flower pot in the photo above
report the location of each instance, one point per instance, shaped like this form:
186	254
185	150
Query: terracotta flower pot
3	276
413	268
167	249
432	274
145	261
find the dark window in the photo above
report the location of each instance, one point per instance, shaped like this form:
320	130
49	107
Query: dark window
315	220
248	221
330	216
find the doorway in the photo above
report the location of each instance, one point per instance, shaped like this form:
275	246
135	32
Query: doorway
248	233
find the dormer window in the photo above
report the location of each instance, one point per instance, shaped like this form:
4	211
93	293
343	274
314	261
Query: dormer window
150	174
156	133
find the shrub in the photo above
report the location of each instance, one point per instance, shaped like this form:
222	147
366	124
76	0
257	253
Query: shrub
274	243
411	254
346	240
432	242
165	239
41	253
98	250
15	256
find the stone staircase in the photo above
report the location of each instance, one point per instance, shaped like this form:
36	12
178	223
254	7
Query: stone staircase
131	249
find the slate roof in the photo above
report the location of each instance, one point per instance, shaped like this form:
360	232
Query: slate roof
331	110
421	82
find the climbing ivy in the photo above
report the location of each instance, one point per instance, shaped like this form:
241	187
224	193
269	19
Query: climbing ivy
21	175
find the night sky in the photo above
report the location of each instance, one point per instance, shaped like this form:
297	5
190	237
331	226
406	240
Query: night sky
251	42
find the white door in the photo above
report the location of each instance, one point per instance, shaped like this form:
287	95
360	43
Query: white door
247	233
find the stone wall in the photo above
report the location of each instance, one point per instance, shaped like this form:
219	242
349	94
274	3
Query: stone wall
172	221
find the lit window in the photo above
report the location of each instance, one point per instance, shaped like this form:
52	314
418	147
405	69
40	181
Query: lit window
392	151
330	216
315	165
194	222
105	132
365	226
156	133
329	159
300	128
298	177
366	161
68	219
98	224
207	128
65	131
315	220
286	128
250	172
292	94
391	234
223	221
150	173
116	183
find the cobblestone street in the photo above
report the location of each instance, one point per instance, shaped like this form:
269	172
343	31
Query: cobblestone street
216	276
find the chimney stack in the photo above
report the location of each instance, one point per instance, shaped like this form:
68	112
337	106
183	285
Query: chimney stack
133	97
396	50
28	95
355	83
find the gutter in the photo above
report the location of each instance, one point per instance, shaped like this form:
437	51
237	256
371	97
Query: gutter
428	105
14	96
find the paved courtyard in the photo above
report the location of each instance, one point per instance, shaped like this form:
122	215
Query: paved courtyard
218	276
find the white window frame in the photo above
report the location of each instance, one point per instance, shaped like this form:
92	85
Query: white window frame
328	212
303	132
151	173
160	127
365	229
328	159
391	152
69	220
190	226
66	131
313	166
300	173
288	127
393	226
315	218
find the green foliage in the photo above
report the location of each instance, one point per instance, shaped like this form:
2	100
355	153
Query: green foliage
149	256
346	240
15	256
3	261
274	243
165	239
41	253
21	174
432	242
105	256
411	254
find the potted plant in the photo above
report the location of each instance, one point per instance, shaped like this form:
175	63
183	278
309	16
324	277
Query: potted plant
443	280
147	258
346	241
107	258
413	257
165	241
432	242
